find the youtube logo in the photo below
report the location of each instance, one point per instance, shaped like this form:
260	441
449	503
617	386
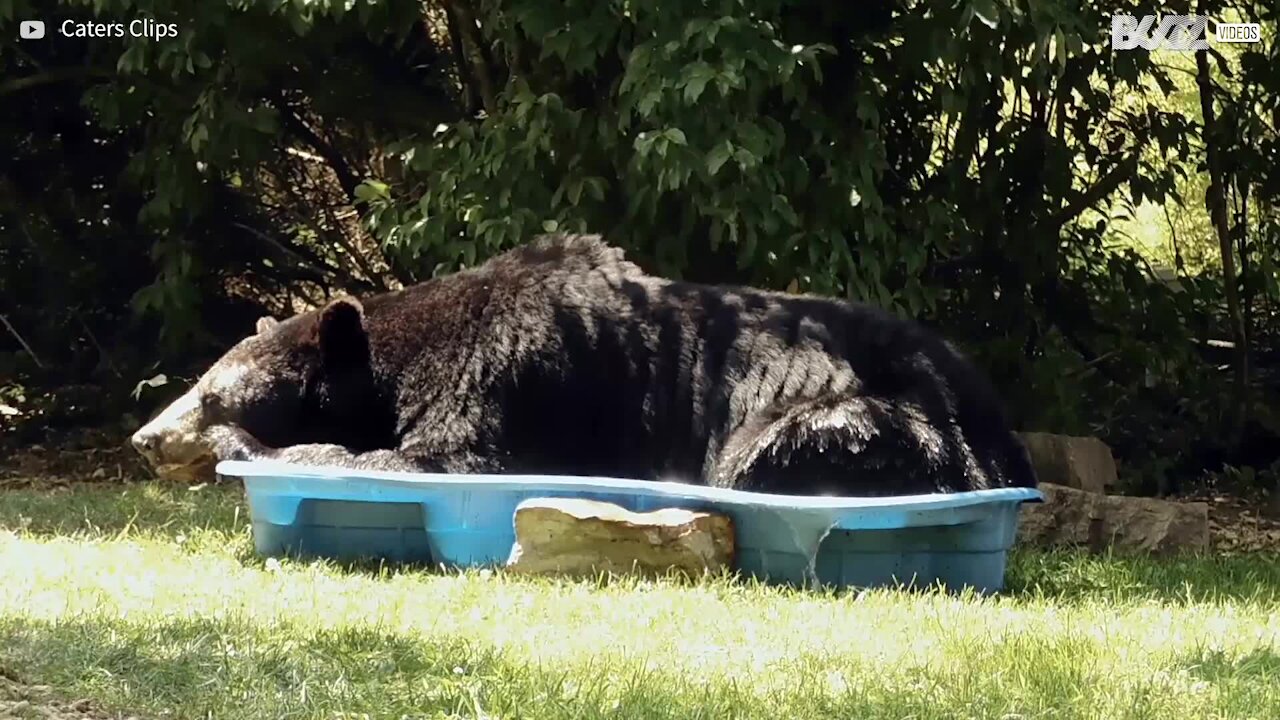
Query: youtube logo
31	30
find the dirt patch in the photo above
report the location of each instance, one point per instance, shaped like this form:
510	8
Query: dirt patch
21	701
84	456
1239	524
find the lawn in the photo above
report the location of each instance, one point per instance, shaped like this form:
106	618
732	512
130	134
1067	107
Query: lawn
148	599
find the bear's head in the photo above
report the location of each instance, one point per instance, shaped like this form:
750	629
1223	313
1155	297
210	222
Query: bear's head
308	379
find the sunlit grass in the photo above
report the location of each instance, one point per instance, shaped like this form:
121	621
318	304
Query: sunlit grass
150	600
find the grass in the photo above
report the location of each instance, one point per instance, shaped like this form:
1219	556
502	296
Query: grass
149	599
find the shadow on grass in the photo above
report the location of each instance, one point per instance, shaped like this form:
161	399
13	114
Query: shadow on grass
226	667
1242	680
1218	666
170	511
99	510
210	668
1066	575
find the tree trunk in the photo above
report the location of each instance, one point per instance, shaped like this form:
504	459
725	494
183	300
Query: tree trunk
1216	200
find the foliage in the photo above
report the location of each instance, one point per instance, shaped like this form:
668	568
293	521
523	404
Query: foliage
970	164
950	164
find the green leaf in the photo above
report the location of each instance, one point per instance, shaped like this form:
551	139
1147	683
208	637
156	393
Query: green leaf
693	89
199	137
648	102
644	143
1041	49
695	27
696	79
1076	45
867	110
987	12
371	190
298	23
783	207
718	156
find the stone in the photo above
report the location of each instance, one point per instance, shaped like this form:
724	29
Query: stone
199	471
1084	463
1070	516
574	536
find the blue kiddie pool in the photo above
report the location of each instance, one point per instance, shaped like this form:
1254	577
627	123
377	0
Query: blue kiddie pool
960	539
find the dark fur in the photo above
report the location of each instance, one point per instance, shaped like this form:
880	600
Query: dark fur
562	357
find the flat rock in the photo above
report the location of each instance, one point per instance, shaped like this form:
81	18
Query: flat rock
1084	463
574	536
1070	516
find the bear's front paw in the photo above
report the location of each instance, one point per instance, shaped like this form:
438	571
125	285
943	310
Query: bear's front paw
232	443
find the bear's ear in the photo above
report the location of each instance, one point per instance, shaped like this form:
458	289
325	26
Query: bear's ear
340	334
266	323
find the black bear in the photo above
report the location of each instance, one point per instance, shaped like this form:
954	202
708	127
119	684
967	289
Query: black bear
561	357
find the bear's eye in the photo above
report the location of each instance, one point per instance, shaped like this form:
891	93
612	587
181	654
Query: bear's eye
211	406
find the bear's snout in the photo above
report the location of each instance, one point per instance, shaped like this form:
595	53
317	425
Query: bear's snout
171	443
146	442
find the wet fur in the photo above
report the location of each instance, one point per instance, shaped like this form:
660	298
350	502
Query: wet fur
562	357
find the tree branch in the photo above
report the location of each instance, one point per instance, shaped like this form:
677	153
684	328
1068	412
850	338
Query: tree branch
477	56
1215	199
337	235
461	61
14	332
51	77
1090	197
346	177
